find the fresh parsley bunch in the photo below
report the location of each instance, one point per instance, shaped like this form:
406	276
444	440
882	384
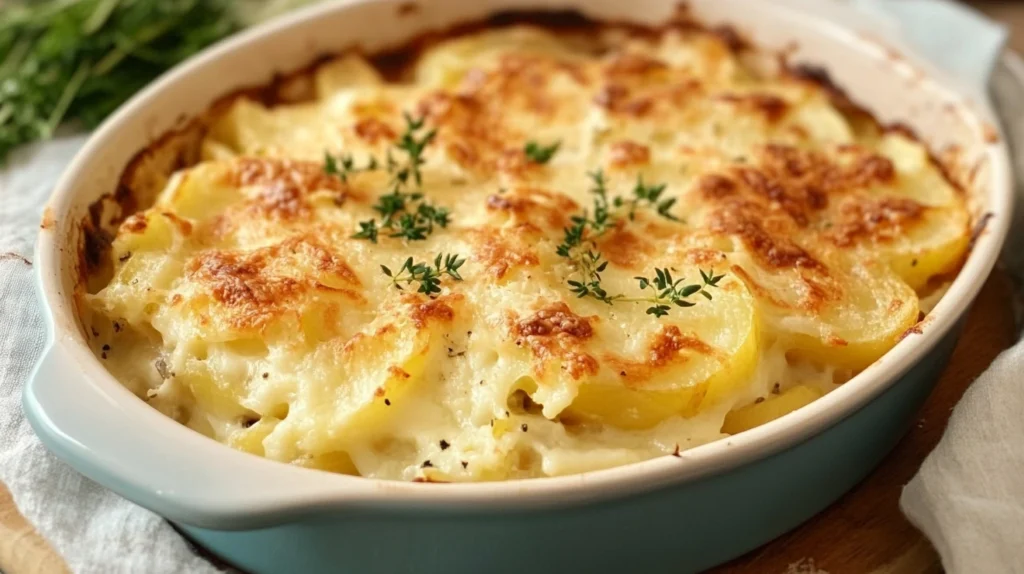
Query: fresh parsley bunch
81	59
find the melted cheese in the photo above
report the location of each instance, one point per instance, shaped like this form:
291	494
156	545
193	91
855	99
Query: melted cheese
242	306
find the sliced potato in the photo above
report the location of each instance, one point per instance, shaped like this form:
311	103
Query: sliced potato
446	64
216	373
846	313
698	356
348	71
146	263
251	439
757	414
932	247
339	462
920	224
250	129
359	386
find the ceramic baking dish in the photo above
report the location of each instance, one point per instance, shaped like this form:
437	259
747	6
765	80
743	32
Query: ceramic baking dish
675	513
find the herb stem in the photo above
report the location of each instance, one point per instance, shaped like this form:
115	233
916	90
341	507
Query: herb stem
107	62
15	56
404	212
429	278
99	16
579	247
66	97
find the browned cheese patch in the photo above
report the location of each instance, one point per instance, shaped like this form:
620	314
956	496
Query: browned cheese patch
374	131
135	223
772	107
626	154
254	288
424	310
501	250
668	347
471	122
815	289
626	249
555	333
765	234
284	185
535	206
798	182
874	219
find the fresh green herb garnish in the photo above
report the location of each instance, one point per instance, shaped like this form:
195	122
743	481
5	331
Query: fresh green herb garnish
648	196
579	247
344	166
606	214
538	153
367	230
598	225
429	278
412	144
63	60
668	292
403	211
417	226
590	265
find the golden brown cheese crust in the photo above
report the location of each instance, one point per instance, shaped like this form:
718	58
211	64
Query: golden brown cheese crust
256	287
554	332
246	282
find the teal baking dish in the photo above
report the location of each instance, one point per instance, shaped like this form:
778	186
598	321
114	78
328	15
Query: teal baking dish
671	514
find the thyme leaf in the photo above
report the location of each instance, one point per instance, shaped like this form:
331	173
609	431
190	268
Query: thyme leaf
579	247
540	154
428	277
403	211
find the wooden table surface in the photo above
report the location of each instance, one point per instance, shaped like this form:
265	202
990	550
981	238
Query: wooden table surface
864	532
1010	13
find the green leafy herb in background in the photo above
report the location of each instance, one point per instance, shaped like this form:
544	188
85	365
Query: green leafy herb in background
68	59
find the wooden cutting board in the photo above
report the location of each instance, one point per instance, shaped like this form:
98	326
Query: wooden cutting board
862	533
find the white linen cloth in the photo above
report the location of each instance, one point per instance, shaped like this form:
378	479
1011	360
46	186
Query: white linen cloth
967	497
95	530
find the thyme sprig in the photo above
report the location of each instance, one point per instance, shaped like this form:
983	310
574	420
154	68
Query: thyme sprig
580	248
403	211
648	196
429	278
344	165
538	153
587	228
673	292
665	290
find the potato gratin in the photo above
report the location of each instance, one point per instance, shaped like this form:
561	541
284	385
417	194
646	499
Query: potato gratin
527	254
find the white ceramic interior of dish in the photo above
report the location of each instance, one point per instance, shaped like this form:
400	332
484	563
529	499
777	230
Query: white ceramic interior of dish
187	476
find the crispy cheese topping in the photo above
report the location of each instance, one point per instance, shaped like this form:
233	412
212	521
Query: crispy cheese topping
250	303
